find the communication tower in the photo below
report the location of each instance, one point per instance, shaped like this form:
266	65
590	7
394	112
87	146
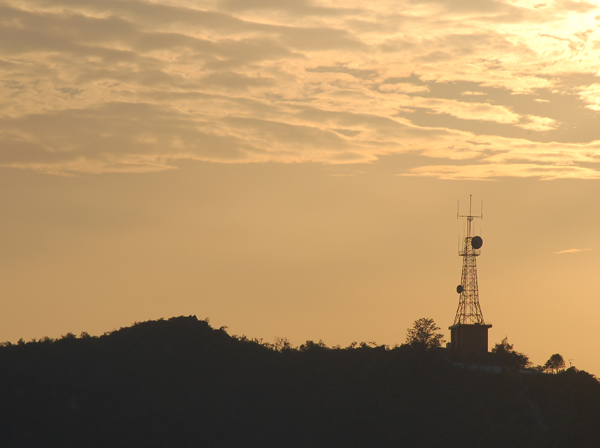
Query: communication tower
469	333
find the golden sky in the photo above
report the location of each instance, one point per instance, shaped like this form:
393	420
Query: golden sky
291	167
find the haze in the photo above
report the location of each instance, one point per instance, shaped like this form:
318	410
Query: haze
291	167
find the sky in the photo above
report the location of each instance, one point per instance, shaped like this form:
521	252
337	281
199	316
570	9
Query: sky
291	168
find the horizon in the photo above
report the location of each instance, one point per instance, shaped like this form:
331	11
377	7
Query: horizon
291	168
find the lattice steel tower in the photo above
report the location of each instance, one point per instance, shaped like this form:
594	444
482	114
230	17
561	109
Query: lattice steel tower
469	333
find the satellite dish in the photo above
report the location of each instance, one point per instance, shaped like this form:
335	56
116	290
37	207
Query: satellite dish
476	242
459	289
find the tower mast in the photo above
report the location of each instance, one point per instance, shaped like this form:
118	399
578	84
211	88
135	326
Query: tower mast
469	310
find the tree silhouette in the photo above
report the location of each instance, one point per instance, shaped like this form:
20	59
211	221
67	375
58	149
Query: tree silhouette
555	364
504	354
423	334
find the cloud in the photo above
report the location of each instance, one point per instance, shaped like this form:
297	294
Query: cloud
579	6
467	111
537	123
296	7
490	171
571	251
135	86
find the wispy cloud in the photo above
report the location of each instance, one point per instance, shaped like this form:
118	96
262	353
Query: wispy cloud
571	251
137	85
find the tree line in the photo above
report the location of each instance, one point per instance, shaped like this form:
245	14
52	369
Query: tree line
181	383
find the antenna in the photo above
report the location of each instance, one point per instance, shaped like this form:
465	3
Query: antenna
470	217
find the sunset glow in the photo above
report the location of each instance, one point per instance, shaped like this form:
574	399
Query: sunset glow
291	167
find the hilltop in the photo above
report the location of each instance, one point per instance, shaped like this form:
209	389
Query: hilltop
182	383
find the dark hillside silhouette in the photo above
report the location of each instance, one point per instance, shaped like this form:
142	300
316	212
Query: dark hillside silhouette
181	383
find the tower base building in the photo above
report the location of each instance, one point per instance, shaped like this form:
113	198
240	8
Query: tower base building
467	340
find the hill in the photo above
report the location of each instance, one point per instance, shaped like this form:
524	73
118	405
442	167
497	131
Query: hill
181	383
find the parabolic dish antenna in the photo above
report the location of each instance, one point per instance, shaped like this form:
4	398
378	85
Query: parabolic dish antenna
476	242
459	289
